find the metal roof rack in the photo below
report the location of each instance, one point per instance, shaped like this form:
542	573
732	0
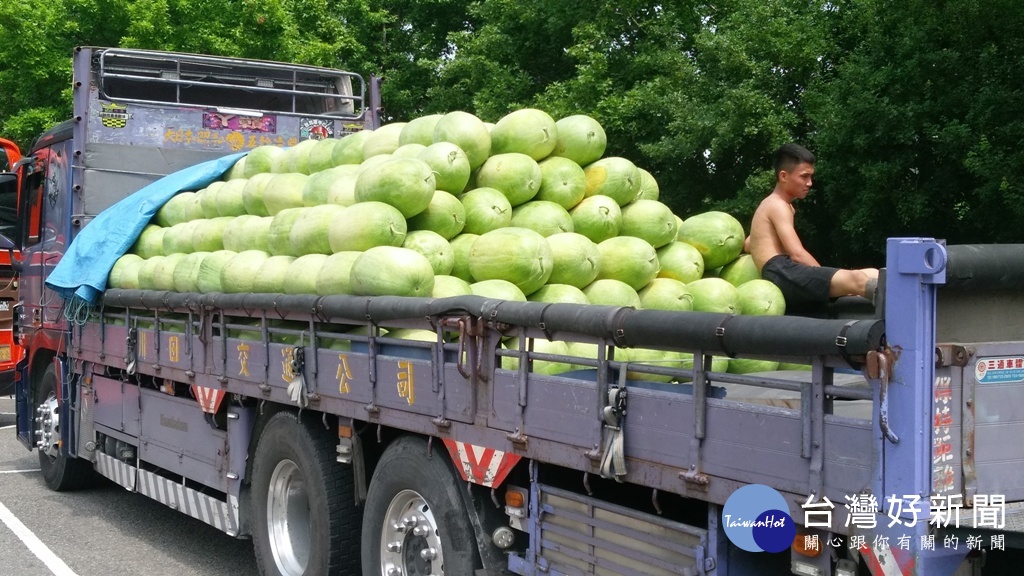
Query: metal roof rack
152	77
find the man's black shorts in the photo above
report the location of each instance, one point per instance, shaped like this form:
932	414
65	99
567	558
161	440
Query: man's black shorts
802	286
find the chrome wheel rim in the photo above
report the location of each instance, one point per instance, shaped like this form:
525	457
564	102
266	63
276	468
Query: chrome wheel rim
410	542
48	429
288	519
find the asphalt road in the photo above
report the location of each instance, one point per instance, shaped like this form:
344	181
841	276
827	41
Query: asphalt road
100	531
106	531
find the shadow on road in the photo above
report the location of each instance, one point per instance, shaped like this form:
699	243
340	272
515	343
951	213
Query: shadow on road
6	411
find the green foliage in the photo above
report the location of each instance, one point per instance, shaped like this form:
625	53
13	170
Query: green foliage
406	42
919	131
511	51
36	40
699	95
916	127
301	31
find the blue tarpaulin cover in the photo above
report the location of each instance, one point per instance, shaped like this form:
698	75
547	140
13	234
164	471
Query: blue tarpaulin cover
82	272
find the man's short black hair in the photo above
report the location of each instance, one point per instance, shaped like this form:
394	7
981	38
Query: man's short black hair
788	156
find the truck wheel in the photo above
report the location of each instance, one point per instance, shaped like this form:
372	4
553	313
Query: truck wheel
305	520
415	523
59	472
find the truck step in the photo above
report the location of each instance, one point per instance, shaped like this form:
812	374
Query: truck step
222	515
121	473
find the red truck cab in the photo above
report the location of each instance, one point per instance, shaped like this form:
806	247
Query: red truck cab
10	186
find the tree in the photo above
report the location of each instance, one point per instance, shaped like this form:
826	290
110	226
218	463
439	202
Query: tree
915	126
508	54
36	40
918	134
299	31
406	42
699	95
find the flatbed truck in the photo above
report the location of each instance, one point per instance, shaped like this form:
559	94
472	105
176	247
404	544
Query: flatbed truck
341	450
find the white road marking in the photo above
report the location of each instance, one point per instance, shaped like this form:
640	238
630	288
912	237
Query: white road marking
6	427
18	471
34	544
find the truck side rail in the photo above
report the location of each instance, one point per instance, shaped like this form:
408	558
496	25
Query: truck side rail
627	327
685	425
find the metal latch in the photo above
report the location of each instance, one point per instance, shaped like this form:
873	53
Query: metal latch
298	360
879	365
952	355
613	460
130	358
297	386
616	409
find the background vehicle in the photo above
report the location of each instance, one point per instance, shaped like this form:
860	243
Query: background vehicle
10	180
342	451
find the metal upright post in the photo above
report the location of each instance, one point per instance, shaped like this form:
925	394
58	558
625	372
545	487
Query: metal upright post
915	268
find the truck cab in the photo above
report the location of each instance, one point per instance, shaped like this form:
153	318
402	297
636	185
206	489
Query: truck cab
140	115
10	184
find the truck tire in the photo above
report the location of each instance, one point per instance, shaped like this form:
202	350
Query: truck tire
305	519
415	522
60	472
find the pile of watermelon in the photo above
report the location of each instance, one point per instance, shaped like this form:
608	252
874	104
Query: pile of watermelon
524	209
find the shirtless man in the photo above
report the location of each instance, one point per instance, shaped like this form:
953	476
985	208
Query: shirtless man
777	250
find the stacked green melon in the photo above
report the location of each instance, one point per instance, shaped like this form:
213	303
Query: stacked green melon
444	205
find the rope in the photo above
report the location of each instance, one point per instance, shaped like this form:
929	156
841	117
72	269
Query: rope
10	283
77	311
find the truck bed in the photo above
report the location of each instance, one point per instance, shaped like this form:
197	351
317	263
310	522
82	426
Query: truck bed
822	431
456	390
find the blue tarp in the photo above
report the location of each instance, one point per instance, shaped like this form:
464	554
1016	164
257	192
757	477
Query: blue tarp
82	272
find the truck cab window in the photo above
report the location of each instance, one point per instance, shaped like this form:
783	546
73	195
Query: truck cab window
32	204
8	204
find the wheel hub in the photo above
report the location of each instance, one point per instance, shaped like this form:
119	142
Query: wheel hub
48	427
288	519
410	538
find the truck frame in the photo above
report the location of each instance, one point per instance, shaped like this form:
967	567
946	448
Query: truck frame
297	421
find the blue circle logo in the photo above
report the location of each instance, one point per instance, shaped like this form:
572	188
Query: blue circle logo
755	518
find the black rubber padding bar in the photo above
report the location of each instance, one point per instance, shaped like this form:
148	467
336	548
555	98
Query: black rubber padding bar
757	335
384	308
985	267
598	321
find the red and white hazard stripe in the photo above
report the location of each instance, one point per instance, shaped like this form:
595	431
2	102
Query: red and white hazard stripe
888	562
479	464
209	399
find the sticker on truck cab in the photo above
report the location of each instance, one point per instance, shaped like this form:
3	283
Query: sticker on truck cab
263	123
997	370
315	129
114	115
